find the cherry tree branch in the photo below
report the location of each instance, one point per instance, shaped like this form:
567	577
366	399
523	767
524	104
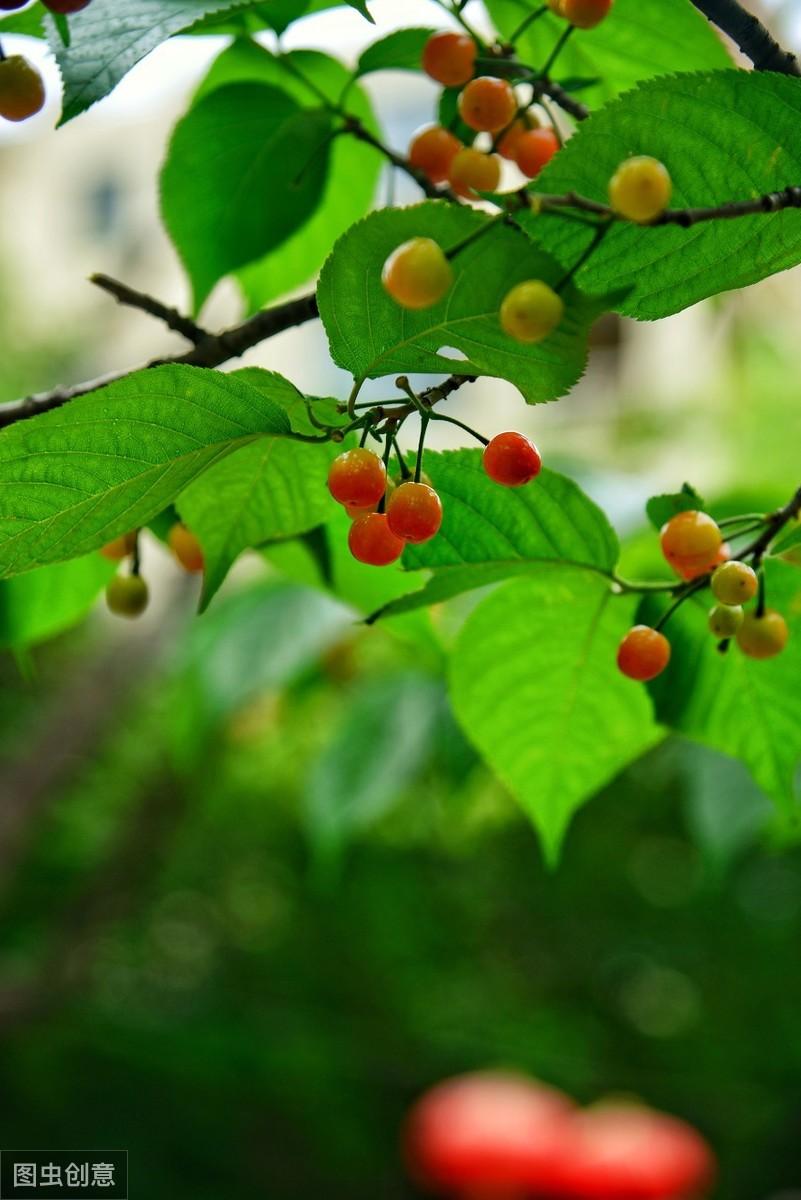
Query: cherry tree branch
214	350
748	32
772	202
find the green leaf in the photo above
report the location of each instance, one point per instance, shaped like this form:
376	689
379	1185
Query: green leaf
108	38
535	686
383	742
267	491
490	532
72	479
42	603
732	703
726	811
351	181
252	642
244	170
728	135
401	50
361	7
370	335
635	42
787	541
30	22
661	508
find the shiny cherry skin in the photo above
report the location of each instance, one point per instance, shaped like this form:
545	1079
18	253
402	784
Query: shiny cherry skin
371	541
414	512
643	654
417	274
535	150
691	540
488	104
449	58
640	189
432	151
734	583
511	459
358	478
472	171
531	311
763	636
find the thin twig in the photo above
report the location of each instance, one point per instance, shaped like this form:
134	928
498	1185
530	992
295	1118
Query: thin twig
772	202
149	304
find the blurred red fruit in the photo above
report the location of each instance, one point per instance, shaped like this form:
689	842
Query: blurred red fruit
628	1152
490	1135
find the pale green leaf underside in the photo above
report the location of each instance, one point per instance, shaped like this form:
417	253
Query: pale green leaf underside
269	490
370	335
400	50
382	741
726	135
535	686
636	41
490	532
72	479
42	603
730	702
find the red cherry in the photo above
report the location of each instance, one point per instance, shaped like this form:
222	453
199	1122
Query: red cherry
372	541
534	150
186	548
489	1134
643	654
357	478
432	151
414	512
690	572
512	460
65	6
627	1152
448	57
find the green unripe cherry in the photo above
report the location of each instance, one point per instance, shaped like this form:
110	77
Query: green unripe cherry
734	583
725	620
22	91
127	595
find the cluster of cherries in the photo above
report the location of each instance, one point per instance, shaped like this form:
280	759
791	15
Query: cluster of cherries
488	105
22	90
509	1137
693	545
387	515
418	273
128	595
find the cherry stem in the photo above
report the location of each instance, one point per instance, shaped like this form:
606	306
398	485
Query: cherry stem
529	20
686	592
136	560
418	466
467	428
546	70
760	605
597	238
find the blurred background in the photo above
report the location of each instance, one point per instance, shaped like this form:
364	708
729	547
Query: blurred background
258	893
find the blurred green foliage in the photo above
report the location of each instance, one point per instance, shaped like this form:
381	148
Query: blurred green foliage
280	897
